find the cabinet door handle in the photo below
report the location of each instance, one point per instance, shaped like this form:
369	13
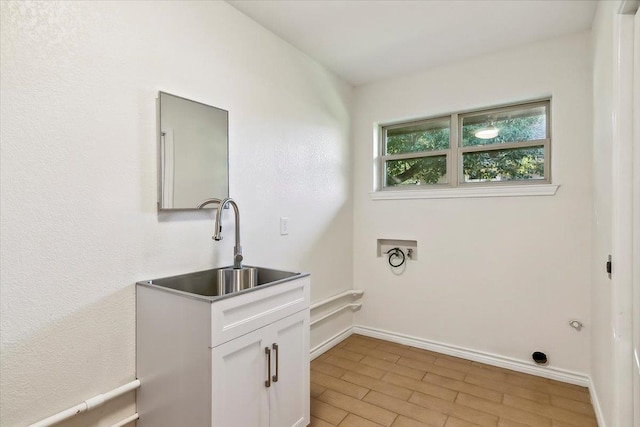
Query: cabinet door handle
275	349
267	351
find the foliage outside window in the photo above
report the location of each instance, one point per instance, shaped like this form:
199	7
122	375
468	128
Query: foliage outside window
490	147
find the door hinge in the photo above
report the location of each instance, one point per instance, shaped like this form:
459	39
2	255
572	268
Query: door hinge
609	266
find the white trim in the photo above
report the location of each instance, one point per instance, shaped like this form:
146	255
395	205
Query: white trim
636	211
167	169
622	222
596	404
330	343
460	192
127	420
477	356
354	293
353	307
88	404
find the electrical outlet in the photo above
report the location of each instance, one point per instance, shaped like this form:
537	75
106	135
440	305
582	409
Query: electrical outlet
284	225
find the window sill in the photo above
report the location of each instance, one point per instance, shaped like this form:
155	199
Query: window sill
466	192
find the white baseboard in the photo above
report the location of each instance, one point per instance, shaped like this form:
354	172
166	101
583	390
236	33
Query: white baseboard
478	356
331	342
596	404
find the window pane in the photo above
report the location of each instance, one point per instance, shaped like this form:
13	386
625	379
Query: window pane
523	124
504	165
418	171
426	136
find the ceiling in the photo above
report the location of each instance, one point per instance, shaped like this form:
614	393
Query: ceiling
368	40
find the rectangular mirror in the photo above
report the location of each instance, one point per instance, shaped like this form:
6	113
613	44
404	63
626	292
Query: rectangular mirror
193	153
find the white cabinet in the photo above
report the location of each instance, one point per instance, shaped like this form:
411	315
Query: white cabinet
241	361
262	378
289	396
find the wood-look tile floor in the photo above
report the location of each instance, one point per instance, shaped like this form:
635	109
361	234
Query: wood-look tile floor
365	382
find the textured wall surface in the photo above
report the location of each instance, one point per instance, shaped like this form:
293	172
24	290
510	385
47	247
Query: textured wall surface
78	180
498	275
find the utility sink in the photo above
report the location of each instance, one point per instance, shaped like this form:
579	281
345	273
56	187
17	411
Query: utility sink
236	279
222	282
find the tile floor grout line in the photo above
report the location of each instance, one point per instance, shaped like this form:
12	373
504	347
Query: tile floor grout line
486	376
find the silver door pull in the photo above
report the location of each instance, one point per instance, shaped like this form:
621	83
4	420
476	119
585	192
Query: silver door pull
267	351
275	349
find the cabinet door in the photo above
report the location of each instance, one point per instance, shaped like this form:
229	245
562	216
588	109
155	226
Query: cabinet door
289	395
239	371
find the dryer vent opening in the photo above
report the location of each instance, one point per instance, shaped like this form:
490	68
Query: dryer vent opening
539	357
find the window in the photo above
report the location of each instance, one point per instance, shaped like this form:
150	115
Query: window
506	145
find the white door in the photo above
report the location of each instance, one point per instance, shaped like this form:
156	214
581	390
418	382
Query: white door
238	390
289	392
625	229
636	220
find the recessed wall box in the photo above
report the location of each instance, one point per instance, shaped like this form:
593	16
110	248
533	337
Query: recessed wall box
409	247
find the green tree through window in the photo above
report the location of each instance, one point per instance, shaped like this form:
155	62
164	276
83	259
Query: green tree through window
503	159
425	170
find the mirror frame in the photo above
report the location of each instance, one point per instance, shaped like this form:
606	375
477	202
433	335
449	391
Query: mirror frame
159	154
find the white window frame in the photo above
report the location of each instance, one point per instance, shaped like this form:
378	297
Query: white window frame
455	186
415	154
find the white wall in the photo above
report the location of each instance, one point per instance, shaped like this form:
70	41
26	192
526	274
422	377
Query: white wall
496	275
78	180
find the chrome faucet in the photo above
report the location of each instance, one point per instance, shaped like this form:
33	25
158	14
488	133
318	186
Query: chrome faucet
217	232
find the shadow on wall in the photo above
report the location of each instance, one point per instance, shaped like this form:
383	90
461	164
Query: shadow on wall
330	261
332	242
70	360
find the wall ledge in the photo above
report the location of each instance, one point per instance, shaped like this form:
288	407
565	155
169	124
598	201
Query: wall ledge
467	192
